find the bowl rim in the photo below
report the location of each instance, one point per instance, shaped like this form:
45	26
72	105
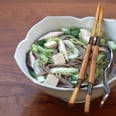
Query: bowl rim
26	39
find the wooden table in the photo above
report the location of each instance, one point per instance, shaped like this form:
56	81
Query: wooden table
18	95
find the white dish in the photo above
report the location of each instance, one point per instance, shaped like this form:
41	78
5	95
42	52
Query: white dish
53	23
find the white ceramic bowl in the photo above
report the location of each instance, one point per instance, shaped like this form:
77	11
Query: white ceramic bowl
53	23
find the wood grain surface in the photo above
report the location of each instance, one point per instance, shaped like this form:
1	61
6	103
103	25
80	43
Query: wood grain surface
18	95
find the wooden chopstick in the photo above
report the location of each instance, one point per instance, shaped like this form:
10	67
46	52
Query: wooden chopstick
93	64
95	20
86	59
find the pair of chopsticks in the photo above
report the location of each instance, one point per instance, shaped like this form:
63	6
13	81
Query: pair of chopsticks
96	32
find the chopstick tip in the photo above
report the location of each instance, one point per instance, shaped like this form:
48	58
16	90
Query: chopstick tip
87	103
71	102
73	97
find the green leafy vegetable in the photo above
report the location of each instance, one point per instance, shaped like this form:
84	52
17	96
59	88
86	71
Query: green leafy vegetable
77	41
32	73
53	39
112	45
65	30
101	57
74	31
34	48
45	51
103	41
74	79
44	59
41	42
99	72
